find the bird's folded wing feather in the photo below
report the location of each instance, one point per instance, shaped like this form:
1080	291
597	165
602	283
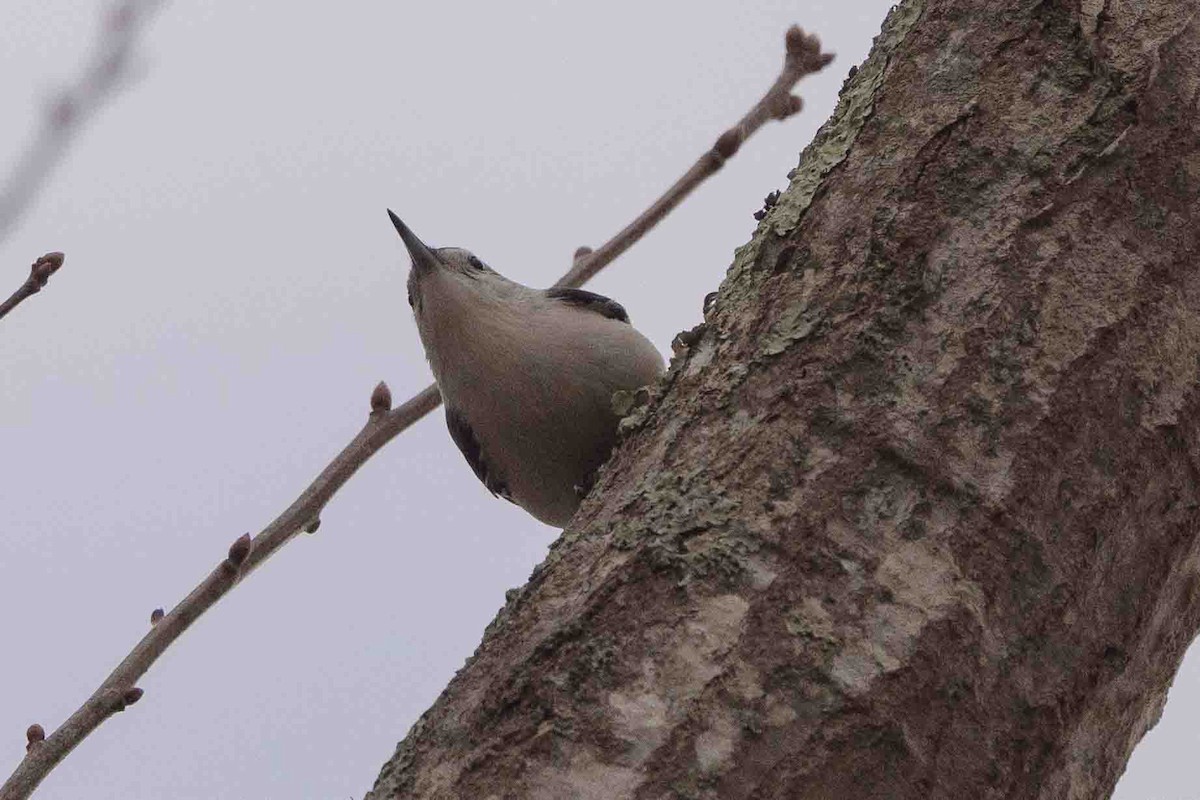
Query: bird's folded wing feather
464	437
591	301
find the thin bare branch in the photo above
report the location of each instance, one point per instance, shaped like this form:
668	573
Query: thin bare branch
245	554
383	424
803	57
107	68
39	273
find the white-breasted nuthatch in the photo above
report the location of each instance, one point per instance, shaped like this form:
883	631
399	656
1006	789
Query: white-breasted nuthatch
527	375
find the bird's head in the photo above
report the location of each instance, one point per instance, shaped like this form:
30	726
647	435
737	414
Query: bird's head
459	301
443	271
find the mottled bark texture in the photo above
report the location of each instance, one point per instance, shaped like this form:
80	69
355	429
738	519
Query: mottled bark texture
915	513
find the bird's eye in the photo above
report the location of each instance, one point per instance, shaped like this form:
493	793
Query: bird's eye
475	262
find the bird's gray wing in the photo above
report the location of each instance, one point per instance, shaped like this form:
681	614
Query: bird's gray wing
591	301
464	437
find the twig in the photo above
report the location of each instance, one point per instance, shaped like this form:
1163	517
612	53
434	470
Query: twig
118	690
245	554
39	272
803	57
107	67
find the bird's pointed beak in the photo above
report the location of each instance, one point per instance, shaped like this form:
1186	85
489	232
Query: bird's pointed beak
423	259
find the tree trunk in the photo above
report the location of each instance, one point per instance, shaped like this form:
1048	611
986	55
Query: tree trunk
915	513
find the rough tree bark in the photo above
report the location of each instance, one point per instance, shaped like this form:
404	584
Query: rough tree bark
915	513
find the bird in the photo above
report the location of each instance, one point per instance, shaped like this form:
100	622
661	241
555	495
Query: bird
527	375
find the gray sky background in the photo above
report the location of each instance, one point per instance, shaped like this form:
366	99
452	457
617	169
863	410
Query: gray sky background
233	291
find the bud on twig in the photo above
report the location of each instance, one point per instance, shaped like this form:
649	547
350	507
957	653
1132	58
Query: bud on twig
381	399
804	51
34	735
788	104
126	699
313	525
795	40
239	550
728	143
156	615
44	267
582	252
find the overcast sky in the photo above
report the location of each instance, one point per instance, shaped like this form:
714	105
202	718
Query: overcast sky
233	291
